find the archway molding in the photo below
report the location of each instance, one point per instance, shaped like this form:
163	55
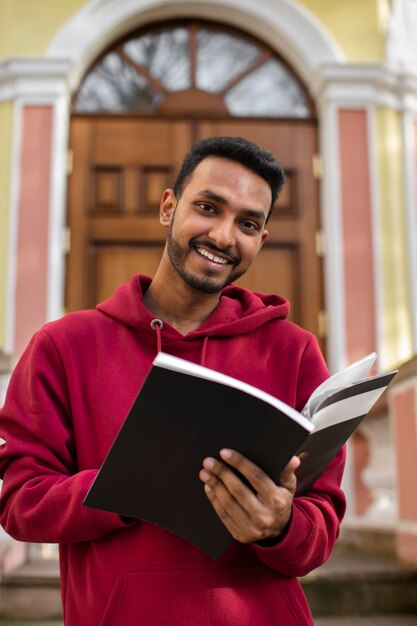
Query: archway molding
286	26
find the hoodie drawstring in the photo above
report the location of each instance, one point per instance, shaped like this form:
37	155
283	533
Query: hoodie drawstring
203	351
157	325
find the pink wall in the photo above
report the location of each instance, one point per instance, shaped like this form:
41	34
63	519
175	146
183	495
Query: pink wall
357	234
404	421
360	453
358	263
33	221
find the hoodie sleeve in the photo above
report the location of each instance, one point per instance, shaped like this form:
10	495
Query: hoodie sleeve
43	492
316	517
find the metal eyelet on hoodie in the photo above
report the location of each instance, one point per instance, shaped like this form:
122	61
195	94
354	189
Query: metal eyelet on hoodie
157	322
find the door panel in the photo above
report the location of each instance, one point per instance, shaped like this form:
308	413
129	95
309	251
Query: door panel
114	265
283	280
122	166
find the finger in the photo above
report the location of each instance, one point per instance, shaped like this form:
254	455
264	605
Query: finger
259	503
248	516
215	471
259	480
233	483
293	464
227	507
246	526
230	512
287	478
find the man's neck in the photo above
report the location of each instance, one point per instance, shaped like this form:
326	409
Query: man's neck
178	305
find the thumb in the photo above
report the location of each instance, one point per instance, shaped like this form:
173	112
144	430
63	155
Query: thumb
287	478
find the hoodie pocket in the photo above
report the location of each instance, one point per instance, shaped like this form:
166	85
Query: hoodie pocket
204	598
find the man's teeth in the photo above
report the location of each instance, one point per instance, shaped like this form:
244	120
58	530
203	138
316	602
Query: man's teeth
211	257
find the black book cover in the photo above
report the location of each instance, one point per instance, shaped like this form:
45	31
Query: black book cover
152	470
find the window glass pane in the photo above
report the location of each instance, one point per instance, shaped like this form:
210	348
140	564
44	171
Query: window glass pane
268	91
165	54
221	57
164	67
113	85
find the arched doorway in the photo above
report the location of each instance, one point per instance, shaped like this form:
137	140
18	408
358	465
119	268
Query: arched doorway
140	106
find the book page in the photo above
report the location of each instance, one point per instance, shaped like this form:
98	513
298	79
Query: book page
351	402
354	372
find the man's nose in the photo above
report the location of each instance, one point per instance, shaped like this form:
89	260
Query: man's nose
222	234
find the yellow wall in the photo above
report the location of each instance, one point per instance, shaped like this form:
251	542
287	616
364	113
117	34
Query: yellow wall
28	26
396	322
358	26
6	117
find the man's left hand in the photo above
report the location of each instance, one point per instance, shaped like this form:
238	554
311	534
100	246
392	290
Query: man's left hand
249	516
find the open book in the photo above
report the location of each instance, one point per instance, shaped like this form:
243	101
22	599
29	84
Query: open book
186	412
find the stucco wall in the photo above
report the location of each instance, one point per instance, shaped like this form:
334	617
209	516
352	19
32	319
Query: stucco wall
26	28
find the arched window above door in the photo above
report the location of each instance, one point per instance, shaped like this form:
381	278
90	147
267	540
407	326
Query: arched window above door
196	67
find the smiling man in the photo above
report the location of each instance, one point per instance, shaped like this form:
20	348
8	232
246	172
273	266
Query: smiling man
78	377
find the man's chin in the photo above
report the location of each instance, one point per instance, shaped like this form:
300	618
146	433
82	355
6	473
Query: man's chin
210	285
205	285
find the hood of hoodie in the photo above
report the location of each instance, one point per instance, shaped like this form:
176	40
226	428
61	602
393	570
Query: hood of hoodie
239	311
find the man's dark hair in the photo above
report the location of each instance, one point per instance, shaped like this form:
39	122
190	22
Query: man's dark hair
236	149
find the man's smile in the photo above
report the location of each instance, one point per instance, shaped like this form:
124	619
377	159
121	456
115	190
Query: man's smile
212	257
214	254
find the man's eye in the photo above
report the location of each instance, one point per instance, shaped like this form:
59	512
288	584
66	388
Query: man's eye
207	208
250	225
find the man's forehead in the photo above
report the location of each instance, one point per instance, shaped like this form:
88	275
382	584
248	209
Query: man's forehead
215	173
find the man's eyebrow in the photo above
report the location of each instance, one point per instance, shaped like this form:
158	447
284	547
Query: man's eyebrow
254	213
211	195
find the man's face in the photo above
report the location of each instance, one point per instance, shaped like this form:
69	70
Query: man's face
216	227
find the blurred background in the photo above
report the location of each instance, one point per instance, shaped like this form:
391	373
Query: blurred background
100	100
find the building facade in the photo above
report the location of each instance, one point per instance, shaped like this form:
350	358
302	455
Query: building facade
337	103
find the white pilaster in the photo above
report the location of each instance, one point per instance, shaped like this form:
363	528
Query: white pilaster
29	82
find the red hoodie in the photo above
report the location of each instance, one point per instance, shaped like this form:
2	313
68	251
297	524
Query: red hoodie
66	401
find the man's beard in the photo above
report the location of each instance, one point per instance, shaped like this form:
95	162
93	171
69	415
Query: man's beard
207	283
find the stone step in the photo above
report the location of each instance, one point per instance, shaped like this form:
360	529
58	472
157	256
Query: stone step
350	586
31	592
361	584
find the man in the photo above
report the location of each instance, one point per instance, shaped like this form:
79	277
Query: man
79	376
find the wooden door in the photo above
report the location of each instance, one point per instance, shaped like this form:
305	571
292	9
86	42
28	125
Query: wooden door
121	167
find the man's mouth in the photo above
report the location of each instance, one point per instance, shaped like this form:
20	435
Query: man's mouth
212	257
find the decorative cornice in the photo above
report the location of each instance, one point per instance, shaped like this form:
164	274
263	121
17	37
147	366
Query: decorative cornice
364	85
340	84
41	79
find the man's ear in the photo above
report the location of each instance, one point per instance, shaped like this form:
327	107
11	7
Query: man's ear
264	237
167	207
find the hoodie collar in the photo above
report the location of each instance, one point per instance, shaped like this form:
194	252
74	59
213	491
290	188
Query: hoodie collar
239	311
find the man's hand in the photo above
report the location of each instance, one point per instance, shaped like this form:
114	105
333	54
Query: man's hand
247	515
